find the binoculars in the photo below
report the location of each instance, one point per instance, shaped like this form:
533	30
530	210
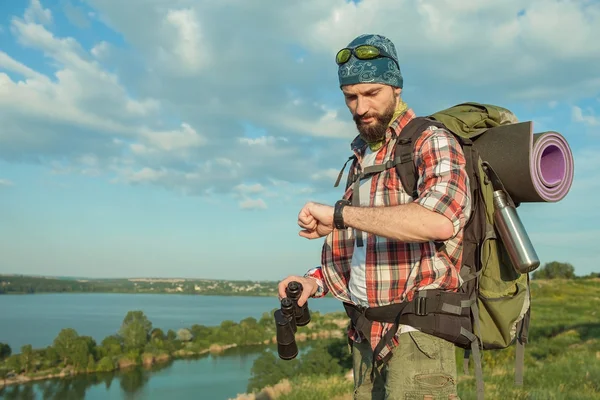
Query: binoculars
288	318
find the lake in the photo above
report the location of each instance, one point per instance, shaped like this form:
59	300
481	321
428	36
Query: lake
37	319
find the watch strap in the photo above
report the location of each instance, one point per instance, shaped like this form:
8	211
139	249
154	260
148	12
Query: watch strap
338	218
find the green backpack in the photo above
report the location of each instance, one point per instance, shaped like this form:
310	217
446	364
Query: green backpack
491	310
501	313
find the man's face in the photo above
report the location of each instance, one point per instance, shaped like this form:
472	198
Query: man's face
372	106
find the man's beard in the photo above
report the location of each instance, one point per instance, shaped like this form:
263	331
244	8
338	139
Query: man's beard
375	132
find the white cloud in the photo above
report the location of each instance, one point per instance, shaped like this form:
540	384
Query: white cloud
261	141
189	51
9	64
83	93
6	182
100	50
329	175
146	175
35	13
253	204
169	108
186	137
578	116
327	124
250	189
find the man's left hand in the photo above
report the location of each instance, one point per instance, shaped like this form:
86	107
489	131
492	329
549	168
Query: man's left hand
316	220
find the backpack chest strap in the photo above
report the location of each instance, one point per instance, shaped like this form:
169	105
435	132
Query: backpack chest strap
367	172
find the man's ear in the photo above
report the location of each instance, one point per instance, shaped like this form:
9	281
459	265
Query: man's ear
397	91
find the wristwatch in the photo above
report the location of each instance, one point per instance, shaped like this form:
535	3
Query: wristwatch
338	219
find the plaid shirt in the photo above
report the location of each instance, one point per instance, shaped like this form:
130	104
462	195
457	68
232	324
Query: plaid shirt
396	270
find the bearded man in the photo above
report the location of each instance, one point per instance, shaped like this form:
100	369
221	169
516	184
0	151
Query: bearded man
383	245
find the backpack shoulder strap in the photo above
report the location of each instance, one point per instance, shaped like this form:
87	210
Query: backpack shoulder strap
403	158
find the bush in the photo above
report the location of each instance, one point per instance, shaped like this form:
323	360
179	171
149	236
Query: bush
555	270
106	364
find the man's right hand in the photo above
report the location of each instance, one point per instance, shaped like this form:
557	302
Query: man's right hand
309	287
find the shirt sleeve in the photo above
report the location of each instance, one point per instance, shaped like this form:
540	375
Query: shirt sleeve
443	185
317	274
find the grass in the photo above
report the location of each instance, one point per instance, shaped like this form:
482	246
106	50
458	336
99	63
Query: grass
312	387
562	359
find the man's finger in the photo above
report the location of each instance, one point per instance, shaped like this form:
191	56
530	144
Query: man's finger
303	298
308	226
309	234
282	285
306	219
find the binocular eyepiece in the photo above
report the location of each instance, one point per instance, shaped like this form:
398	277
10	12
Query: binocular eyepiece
288	318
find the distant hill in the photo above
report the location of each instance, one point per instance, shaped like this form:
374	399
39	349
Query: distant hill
28	284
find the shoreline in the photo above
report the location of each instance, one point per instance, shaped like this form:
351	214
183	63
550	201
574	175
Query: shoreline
147	360
232	294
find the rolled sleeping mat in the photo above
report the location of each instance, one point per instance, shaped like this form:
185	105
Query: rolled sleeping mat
533	167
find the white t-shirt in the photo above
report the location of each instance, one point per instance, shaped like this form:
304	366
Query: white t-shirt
358	282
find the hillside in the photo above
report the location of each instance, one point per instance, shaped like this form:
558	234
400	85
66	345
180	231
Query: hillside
23	284
562	360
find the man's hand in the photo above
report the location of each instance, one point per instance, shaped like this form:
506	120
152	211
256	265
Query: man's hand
316	220
309	287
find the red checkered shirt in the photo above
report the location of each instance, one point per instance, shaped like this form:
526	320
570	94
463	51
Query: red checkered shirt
396	270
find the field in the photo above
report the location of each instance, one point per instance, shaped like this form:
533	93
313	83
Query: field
562	360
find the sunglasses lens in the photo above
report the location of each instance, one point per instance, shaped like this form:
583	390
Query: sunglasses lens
343	56
367	52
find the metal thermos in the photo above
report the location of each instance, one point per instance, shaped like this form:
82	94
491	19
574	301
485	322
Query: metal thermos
513	235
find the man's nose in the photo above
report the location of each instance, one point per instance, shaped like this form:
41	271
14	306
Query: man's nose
361	106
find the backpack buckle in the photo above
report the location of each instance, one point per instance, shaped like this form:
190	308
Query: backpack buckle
421	306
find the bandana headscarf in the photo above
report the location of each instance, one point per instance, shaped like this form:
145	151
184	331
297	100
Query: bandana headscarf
379	70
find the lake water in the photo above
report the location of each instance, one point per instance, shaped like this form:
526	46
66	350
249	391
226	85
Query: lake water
37	320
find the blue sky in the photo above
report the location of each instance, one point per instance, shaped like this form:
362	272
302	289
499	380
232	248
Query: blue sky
181	138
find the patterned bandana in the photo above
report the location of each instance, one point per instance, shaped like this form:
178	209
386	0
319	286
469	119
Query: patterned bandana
379	70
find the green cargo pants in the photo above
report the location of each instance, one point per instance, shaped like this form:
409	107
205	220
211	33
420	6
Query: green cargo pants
423	367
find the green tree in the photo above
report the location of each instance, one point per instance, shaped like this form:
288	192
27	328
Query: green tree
90	343
266	320
27	357
110	346
5	351
157	333
318	362
105	364
251	331
135	330
184	335
51	357
65	343
13	363
200	331
338	349
555	270
80	353
171	335
268	370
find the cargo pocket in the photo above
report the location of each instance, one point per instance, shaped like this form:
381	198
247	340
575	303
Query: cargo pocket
423	370
426	344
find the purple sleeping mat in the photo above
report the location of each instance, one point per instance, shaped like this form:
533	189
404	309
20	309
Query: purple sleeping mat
533	167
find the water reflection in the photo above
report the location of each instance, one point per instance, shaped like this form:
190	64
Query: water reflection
132	382
67	388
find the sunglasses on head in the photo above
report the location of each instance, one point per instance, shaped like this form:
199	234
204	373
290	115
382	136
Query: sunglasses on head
362	52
